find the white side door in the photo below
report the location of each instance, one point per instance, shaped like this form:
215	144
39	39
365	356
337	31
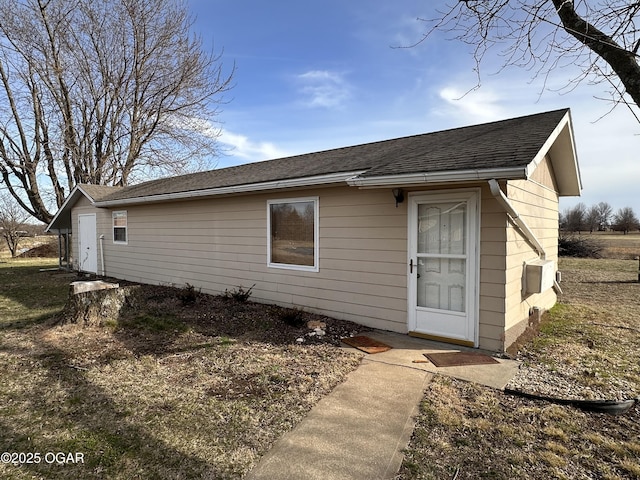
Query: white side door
87	243
443	265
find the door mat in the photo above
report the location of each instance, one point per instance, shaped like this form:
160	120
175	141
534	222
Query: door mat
366	344
458	359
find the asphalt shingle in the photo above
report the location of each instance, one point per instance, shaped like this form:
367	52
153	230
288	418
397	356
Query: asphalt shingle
503	144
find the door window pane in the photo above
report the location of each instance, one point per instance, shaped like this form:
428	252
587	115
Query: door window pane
442	276
441	228
441	283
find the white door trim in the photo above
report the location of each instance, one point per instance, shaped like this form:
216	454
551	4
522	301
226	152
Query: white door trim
472	195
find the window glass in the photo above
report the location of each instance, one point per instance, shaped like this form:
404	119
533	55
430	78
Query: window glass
292	232
119	227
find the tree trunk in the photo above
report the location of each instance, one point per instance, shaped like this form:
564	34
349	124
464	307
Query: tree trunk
623	62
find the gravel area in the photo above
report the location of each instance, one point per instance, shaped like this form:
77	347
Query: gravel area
561	383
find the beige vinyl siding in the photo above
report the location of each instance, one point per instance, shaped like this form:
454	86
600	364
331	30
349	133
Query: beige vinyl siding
221	243
493	224
536	201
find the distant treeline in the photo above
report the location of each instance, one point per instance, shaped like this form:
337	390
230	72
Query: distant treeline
599	217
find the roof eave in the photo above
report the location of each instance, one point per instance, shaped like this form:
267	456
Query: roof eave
568	171
66	206
317	180
561	149
438	177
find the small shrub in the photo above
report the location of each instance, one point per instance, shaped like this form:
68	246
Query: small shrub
581	247
239	294
293	317
189	294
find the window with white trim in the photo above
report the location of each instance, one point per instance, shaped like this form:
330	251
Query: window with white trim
292	233
119	226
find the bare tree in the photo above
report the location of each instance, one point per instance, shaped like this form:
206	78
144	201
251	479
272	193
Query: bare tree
101	92
573	219
12	223
601	38
592	219
605	211
625	220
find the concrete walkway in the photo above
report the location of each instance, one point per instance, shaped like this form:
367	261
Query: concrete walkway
359	430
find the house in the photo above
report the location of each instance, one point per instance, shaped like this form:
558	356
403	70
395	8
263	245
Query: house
451	235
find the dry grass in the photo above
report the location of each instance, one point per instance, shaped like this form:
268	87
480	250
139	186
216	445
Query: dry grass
39	246
24	297
465	431
618	245
164	393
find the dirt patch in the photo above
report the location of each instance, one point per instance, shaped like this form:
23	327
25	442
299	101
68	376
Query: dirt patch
41	246
41	251
214	315
158	319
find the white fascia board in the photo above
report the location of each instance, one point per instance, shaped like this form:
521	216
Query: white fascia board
67	203
566	143
246	188
547	145
438	177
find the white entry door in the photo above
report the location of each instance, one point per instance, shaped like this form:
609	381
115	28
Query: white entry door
443	265
87	243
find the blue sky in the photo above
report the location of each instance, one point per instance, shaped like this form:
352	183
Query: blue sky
317	75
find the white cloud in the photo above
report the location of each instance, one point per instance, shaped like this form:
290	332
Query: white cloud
606	146
475	106
409	32
202	126
324	89
244	148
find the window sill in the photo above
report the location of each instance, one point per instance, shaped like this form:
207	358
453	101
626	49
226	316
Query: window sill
300	268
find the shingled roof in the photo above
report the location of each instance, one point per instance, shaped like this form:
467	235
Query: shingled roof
98	192
497	145
503	145
506	149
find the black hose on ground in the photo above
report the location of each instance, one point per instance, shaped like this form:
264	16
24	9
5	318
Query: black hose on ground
611	407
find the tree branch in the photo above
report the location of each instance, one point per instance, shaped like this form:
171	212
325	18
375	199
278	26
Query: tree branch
623	62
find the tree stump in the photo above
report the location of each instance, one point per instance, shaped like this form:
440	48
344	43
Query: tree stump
96	302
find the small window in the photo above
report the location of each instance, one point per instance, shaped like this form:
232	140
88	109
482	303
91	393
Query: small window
119	227
293	233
